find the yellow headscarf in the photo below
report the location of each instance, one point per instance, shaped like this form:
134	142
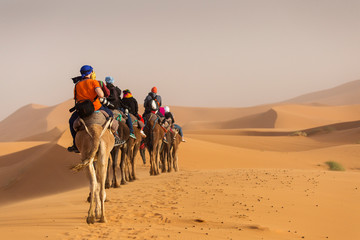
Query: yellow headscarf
93	75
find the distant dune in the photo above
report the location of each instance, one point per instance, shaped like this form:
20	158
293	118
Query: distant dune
286	117
33	120
345	94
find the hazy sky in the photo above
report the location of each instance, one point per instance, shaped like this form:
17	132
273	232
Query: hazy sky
197	52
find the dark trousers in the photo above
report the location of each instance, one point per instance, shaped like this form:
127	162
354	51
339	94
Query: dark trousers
128	121
72	119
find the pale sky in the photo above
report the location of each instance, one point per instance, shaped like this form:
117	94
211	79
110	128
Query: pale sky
212	53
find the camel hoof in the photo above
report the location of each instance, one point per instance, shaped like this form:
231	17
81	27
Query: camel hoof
90	220
116	185
123	183
103	219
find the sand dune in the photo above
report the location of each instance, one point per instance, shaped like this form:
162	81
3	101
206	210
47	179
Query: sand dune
345	94
186	115
259	120
244	174
51	135
37	171
299	116
33	119
28	120
285	117
13	147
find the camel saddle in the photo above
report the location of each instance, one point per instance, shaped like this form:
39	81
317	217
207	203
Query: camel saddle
122	117
98	117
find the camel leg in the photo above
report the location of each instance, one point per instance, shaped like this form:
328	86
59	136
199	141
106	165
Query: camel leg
157	172
127	168
128	161
93	187
101	174
97	191
176	164
110	173
97	201
152	163
135	152
142	153
169	159
123	166
116	167
163	157
175	158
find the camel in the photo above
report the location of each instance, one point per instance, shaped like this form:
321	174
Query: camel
168	154
115	175
95	144
155	134
133	149
165	156
121	169
175	142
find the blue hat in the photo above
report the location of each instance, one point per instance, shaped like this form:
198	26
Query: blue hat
86	70
109	79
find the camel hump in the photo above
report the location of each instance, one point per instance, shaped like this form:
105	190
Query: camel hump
119	115
95	118
153	117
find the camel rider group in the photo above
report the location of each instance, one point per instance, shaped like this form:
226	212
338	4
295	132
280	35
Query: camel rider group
108	96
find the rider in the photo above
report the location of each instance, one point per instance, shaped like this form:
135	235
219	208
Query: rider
115	99
170	117
93	77
147	102
115	92
87	89
130	102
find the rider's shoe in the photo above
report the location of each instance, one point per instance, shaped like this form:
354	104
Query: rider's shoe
118	141
74	149
132	136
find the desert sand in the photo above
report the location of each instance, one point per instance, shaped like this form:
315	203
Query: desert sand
253	173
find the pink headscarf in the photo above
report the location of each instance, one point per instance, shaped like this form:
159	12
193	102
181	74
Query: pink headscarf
162	111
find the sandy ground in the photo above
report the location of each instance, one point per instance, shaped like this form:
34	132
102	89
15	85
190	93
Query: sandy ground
233	183
208	204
